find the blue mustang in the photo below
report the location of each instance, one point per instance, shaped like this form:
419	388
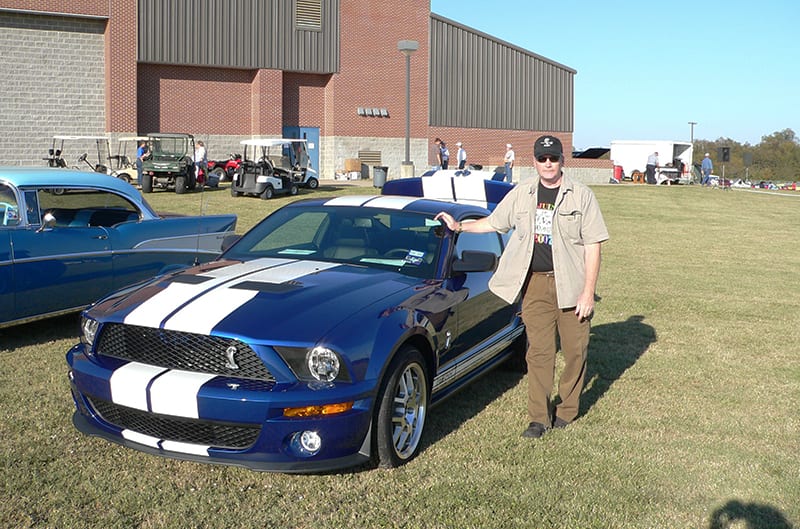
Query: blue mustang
317	341
68	238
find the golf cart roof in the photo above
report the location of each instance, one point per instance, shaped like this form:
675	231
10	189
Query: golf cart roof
270	142
80	137
133	138
168	135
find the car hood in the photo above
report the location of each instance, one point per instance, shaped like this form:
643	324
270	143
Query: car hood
265	300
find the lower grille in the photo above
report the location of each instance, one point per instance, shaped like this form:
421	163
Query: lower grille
194	431
197	353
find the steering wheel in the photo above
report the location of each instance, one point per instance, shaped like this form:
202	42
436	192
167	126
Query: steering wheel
6	206
396	253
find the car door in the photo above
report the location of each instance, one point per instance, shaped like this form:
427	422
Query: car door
65	266
9	218
482	314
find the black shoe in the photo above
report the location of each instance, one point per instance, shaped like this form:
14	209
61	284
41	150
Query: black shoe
534	431
560	423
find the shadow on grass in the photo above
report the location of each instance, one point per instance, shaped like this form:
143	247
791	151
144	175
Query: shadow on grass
468	402
40	332
613	348
753	515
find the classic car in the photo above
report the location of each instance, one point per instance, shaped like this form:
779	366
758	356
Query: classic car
317	341
69	238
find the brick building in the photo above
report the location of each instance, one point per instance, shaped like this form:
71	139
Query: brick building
226	70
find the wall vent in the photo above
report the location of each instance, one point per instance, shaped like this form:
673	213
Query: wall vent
308	14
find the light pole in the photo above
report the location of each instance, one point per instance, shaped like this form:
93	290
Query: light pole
407	47
691	132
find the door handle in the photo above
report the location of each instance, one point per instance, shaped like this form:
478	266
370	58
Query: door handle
100	237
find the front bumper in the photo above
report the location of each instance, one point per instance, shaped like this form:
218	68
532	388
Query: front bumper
231	424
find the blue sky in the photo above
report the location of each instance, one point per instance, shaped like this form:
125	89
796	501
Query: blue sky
646	69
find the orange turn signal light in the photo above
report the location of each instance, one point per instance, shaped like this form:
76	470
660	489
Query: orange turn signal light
325	409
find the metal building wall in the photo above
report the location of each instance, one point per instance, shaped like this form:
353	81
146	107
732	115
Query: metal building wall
248	34
478	81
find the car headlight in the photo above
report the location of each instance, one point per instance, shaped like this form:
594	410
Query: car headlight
89	329
320	364
323	364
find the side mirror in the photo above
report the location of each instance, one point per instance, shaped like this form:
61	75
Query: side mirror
48	221
475	261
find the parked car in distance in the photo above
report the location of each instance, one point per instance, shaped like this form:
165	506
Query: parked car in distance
317	341
69	238
170	164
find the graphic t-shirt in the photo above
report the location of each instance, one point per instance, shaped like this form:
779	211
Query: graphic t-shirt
543	230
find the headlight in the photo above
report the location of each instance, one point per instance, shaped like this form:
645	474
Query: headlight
89	330
319	364
323	364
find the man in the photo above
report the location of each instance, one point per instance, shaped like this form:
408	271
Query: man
461	155
552	263
652	165
707	166
508	161
442	153
141	154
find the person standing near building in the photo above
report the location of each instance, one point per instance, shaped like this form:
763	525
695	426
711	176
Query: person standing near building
551	264
650	170
707	166
508	161
141	154
461	156
200	163
442	153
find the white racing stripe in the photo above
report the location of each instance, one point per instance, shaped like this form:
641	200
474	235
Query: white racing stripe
175	393
438	188
129	384
348	201
172	446
205	312
471	190
155	309
390	202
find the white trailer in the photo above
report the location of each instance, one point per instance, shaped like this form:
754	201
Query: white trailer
674	159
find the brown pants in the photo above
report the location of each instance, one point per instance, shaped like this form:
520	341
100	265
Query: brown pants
542	319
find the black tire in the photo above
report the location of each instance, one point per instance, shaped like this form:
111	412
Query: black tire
293	189
147	183
268	193
180	185
517	362
401	409
312	183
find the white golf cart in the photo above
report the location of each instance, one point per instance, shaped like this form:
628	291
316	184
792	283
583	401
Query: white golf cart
257	174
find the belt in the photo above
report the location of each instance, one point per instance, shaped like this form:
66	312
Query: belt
548	274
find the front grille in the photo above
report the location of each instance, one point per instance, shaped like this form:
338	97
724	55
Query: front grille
194	431
197	353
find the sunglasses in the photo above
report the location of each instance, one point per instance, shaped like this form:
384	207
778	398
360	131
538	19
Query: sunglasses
549	157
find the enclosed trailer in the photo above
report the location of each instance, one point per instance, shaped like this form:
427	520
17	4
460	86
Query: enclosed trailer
674	159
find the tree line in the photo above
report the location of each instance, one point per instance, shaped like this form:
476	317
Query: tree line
775	158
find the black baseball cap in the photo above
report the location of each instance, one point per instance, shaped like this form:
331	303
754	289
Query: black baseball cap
547	144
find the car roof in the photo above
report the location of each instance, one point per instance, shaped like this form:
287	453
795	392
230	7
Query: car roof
69	178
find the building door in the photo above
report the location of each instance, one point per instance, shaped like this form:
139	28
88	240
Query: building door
311	135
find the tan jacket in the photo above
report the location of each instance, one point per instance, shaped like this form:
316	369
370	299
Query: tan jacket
577	220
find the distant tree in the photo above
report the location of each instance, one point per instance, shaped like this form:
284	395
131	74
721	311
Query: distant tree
775	158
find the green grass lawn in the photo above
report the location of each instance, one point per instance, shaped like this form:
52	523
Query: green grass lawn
690	417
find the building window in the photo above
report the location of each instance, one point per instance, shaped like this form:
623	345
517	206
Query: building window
308	14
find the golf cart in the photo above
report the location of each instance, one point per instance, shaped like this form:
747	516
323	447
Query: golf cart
124	162
169	163
290	156
257	174
55	156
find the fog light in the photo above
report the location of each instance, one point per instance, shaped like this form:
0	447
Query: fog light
306	444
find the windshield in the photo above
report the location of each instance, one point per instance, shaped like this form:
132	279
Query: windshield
407	242
176	147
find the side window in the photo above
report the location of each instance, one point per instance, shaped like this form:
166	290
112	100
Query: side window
76	208
32	205
9	209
